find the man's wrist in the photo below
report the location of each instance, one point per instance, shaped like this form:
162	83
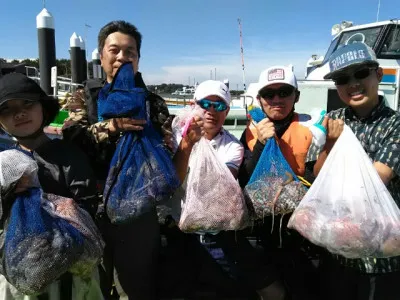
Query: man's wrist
186	143
329	145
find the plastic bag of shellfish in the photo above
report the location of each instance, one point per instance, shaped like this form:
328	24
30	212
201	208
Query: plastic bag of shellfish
213	200
273	188
348	209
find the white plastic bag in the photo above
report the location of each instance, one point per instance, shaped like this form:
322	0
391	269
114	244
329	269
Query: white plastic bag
214	200
348	209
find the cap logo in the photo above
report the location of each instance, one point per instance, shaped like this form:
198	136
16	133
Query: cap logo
348	58
276	74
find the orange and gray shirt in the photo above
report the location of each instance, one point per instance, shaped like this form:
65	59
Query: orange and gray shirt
294	143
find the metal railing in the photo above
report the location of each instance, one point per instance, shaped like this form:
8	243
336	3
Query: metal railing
64	84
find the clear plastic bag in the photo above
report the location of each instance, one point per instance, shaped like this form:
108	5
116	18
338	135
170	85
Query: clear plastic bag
348	209
182	120
213	200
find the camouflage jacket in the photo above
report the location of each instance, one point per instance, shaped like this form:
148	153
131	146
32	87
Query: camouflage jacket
83	128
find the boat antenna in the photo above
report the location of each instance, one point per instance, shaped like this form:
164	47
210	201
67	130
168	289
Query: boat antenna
241	53
244	76
44	3
377	13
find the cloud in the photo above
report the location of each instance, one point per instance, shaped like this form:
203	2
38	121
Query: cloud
228	66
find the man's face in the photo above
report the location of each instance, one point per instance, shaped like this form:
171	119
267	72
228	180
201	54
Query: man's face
358	86
214	119
118	48
277	100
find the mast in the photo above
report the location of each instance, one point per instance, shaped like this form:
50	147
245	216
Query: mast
241	54
377	13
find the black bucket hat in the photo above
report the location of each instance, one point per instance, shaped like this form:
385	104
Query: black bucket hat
19	86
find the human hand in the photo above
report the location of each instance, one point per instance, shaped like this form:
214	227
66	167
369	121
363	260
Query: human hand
265	130
195	131
334	129
118	125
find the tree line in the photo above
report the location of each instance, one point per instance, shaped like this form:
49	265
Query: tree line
63	65
64	69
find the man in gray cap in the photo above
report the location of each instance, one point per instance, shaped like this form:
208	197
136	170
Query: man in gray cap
356	73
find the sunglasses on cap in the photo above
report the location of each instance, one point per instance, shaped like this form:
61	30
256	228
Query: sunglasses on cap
282	92
359	74
207	104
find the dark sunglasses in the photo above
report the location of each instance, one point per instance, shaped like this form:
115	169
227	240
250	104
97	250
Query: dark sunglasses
207	104
360	74
282	92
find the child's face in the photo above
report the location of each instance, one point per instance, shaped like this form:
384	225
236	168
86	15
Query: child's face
21	117
358	86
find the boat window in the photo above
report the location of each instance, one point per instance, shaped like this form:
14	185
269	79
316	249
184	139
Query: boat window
331	48
391	45
367	36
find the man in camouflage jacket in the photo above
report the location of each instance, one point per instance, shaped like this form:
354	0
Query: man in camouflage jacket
132	250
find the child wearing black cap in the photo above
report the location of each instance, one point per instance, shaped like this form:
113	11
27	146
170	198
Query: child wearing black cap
25	110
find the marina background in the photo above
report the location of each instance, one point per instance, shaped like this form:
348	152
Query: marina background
191	41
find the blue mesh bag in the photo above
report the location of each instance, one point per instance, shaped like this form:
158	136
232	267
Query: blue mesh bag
273	187
141	172
39	247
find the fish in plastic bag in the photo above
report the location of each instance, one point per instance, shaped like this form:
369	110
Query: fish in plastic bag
348	209
38	247
273	187
213	200
45	235
68	210
141	172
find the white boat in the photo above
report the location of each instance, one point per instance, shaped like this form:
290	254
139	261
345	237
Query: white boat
185	91
383	37
317	93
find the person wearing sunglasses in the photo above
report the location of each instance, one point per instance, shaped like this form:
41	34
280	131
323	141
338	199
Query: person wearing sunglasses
277	95
230	266
356	73
214	98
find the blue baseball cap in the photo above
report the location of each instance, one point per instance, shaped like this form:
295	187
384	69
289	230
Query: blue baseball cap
349	56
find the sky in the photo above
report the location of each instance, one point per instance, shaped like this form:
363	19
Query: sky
188	40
